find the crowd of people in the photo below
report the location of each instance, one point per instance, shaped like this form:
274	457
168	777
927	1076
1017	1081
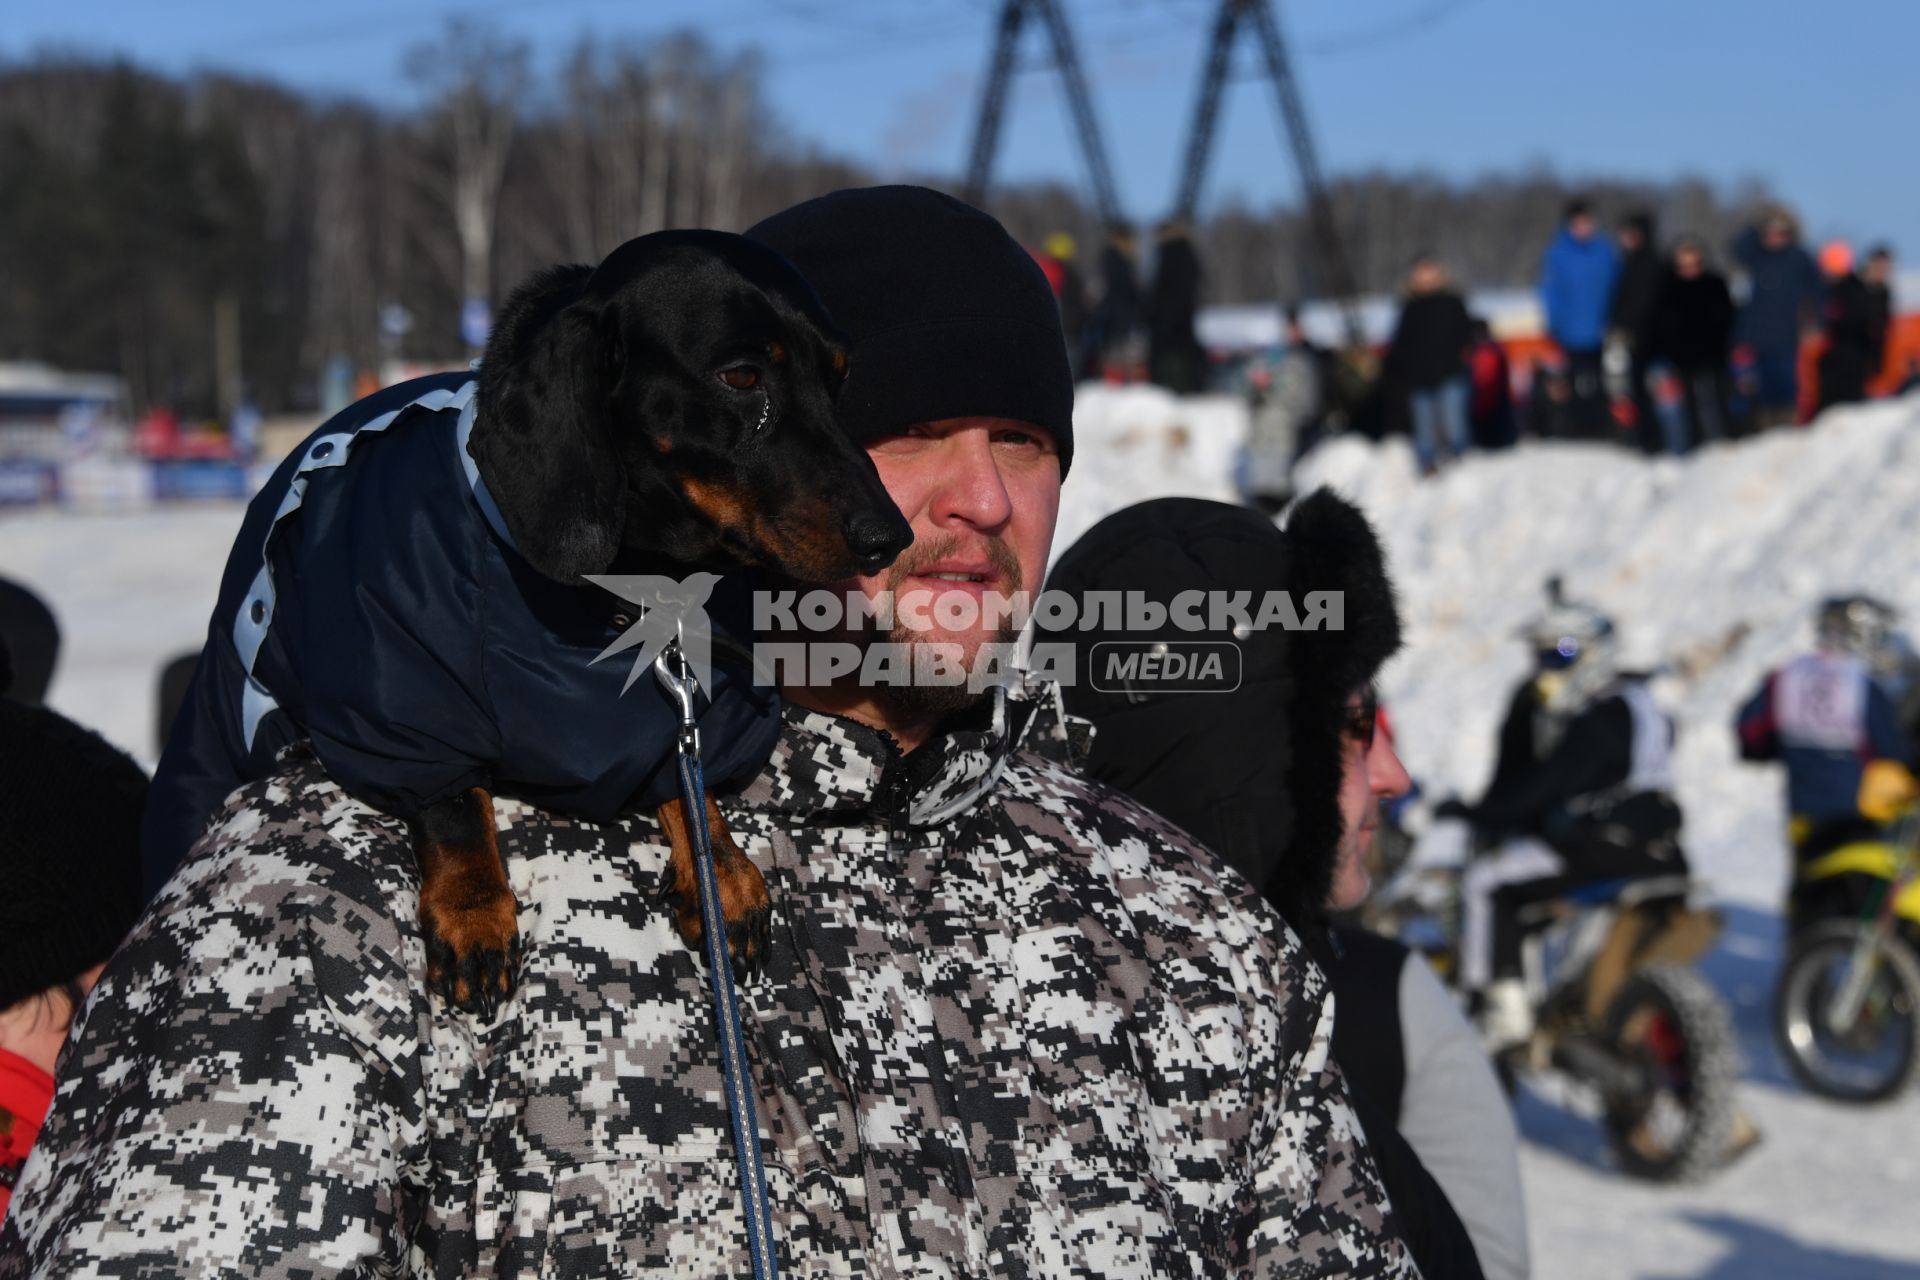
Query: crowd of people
1651	344
1117	330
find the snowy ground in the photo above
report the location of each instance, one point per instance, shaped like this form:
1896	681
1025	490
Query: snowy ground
1710	565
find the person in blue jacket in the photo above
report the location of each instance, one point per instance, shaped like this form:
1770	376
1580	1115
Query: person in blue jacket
1783	295
1577	278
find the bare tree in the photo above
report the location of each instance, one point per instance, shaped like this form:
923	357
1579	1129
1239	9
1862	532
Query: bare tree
479	79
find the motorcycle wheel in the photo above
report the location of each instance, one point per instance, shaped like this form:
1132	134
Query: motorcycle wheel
1875	1057
1674	1030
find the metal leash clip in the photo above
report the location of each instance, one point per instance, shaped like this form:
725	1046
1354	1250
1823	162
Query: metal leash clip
676	677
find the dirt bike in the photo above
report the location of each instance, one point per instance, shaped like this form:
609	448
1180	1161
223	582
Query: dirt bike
1618	1008
1846	1010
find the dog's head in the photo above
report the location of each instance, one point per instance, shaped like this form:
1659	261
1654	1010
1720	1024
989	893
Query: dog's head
677	401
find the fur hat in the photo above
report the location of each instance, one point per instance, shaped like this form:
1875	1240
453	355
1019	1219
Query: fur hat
1254	772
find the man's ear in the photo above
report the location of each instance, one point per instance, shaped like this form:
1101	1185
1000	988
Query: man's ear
544	444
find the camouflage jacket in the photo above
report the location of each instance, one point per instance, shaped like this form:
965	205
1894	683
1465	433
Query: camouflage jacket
1012	1025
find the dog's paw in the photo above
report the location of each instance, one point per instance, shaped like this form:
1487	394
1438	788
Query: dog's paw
473	952
744	902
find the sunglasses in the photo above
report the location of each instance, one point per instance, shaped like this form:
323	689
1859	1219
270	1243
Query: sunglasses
1363	719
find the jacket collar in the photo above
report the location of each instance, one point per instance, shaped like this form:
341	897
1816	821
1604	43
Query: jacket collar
827	764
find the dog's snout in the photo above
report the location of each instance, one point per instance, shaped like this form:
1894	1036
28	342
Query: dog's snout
875	538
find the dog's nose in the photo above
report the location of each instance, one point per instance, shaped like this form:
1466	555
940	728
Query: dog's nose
875	539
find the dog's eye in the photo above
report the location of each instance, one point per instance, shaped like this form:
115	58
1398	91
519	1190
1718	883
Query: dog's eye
741	377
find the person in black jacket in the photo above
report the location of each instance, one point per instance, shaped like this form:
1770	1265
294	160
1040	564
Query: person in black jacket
1582	791
1428	357
1857	315
1688	334
1108	340
1283	776
1175	359
1632	305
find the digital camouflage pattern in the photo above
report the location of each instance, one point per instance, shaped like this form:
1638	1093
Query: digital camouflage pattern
1012	1026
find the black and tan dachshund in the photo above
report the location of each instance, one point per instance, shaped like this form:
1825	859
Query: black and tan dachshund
672	407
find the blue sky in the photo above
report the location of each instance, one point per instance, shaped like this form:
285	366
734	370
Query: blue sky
1816	98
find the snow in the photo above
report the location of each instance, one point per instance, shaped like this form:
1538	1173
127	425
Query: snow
1711	565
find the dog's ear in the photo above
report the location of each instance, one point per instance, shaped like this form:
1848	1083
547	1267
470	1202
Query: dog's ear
542	437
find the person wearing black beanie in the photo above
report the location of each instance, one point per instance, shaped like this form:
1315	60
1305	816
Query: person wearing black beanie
1279	776
948	316
70	808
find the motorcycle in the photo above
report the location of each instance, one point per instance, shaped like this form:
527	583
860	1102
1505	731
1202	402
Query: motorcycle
1619	1008
1846	1010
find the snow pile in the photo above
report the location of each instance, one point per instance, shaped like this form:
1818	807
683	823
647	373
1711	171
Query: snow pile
1135	443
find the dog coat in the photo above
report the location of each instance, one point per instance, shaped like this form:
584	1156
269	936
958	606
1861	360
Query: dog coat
373	604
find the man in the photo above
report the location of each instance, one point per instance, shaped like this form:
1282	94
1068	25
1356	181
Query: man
1856	317
1284	774
1287	398
1687	336
1175	358
1827	716
1783	292
1576	288
1633	295
70	866
1428	356
1582	791
1110	341
1009	1024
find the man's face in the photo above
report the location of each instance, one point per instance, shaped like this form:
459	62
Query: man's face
1630	239
1369	773
1687	261
1580	226
1878	269
982	496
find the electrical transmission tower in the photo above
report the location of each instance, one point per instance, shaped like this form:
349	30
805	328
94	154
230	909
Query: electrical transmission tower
1337	275
986	135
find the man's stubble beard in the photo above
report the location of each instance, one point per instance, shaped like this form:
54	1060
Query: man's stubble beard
913	702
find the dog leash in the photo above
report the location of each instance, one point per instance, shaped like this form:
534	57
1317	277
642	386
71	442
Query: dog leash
673	672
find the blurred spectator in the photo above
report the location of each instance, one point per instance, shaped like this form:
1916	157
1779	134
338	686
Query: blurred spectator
1640	273
1069	288
1858	317
1287	391
1174	358
1110	339
70	855
1687	336
1577	279
1428	356
1490	404
1783	291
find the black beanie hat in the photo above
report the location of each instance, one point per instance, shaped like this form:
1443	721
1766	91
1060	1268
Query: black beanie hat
947	315
70	807
1253	774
